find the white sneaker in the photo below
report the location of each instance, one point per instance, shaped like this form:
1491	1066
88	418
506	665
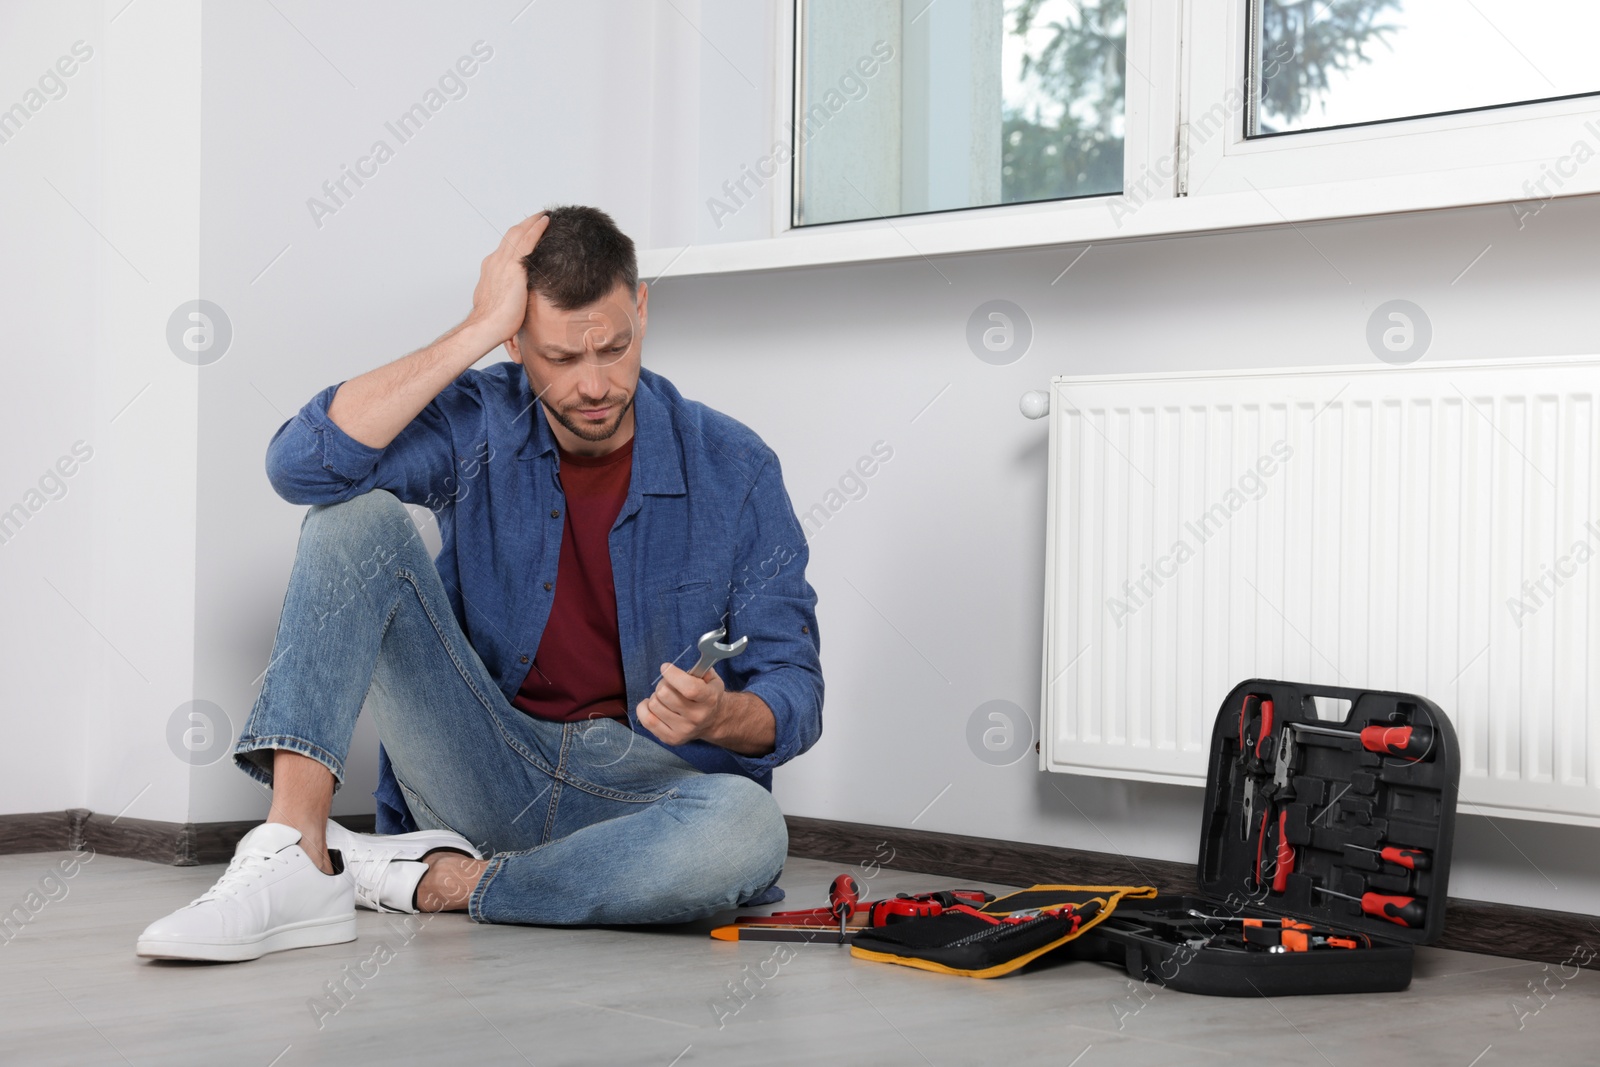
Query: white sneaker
388	868
271	898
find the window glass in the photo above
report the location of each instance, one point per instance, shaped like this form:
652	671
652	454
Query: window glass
1322	63
920	106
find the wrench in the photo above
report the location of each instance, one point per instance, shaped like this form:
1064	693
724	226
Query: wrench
712	649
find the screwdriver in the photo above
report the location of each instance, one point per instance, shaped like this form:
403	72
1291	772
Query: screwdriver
1408	742
1412	859
843	896
1285	923
1402	911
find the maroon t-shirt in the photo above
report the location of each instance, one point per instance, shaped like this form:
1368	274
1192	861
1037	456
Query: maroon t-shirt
577	672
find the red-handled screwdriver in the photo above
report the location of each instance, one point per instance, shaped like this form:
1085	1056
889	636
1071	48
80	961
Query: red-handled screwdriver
1402	911
1412	859
843	897
1408	742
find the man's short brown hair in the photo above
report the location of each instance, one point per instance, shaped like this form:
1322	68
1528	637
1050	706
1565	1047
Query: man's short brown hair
581	258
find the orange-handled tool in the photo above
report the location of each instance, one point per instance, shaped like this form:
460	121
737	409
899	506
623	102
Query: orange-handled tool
1300	941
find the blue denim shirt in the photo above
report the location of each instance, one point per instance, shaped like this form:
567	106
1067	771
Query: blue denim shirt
707	536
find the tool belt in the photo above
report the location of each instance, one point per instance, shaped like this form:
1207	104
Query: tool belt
997	938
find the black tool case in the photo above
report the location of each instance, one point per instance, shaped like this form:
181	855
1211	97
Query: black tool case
1334	800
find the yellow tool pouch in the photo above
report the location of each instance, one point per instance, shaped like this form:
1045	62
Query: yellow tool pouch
999	937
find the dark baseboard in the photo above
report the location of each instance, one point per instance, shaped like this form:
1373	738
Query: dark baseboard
1470	926
170	843
45	831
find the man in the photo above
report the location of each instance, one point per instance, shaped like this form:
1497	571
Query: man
542	742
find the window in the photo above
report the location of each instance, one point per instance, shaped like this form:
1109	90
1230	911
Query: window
934	127
1319	64
916	106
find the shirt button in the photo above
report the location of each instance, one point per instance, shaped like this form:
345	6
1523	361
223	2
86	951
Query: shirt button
554	513
805	629
547	586
524	659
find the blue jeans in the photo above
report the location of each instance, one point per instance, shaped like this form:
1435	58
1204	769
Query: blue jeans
585	822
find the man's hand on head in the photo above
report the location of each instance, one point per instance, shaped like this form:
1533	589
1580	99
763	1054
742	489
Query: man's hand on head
500	301
685	708
375	407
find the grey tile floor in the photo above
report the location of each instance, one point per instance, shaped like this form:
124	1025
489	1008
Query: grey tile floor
450	991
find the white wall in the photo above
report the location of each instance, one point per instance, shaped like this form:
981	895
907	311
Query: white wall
49	262
175	548
101	239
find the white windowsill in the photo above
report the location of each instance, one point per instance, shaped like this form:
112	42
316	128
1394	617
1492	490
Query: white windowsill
1075	222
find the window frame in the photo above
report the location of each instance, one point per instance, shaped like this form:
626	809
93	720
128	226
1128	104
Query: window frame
1478	142
1221	181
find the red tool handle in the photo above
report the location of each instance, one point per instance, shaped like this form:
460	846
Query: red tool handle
1402	911
1296	941
1266	725
1412	859
843	896
1408	742
1261	840
1244	717
1280	877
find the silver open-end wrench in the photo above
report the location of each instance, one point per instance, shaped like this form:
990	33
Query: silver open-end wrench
712	649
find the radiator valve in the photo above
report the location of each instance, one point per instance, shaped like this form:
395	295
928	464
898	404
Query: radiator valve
1035	403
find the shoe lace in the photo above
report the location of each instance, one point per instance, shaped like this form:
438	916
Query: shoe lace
367	867
242	872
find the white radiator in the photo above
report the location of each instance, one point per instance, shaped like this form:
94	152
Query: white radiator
1432	529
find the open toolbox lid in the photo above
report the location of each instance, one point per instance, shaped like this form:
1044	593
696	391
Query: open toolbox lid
1334	801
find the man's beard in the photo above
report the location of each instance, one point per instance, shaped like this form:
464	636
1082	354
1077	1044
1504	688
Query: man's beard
588	431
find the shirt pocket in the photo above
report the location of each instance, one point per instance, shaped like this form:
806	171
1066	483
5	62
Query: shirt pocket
690	608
